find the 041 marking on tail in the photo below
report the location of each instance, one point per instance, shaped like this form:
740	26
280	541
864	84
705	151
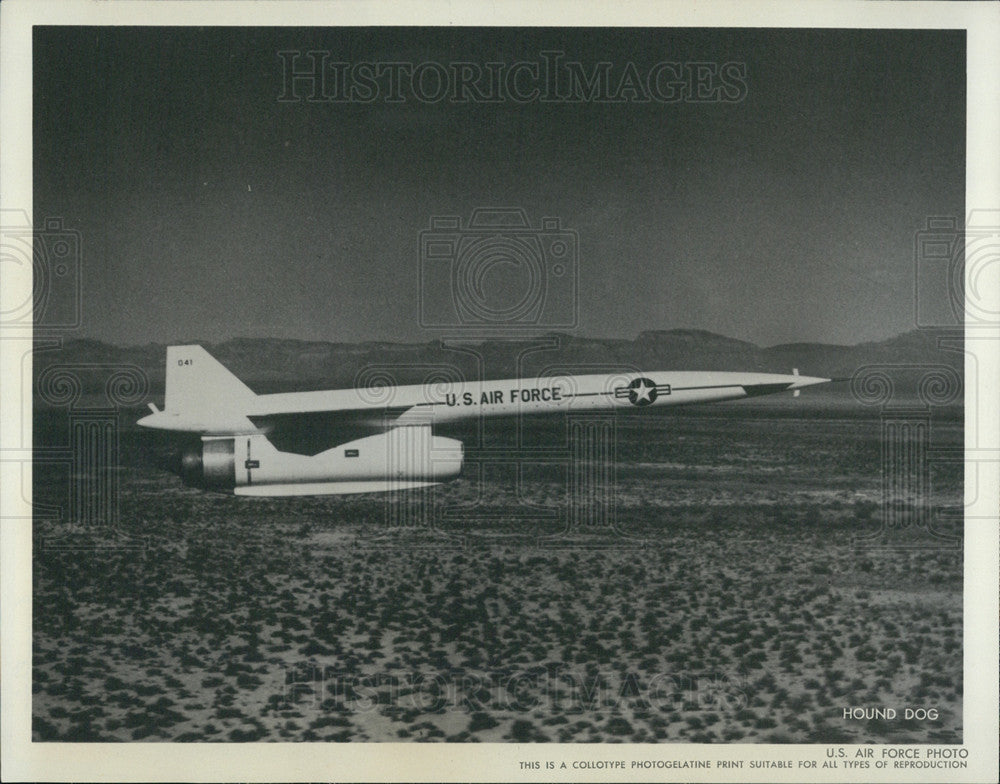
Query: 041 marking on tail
265	445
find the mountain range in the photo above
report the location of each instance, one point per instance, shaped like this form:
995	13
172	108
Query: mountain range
272	365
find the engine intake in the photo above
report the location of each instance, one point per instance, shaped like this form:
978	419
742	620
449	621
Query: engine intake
210	465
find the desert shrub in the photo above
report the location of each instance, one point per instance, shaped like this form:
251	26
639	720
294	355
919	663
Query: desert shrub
44	730
247	735
142	732
481	721
523	731
247	681
619	726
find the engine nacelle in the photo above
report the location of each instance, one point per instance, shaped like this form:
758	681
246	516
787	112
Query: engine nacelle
249	465
211	466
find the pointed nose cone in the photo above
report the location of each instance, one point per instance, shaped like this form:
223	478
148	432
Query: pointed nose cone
808	381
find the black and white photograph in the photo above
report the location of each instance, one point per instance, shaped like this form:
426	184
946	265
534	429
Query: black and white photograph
616	392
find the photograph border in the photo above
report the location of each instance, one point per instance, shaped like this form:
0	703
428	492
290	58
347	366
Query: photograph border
24	760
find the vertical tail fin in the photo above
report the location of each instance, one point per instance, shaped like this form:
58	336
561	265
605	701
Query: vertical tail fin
197	381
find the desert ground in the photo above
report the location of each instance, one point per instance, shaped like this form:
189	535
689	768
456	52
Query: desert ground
737	588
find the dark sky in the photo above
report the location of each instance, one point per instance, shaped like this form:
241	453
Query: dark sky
209	209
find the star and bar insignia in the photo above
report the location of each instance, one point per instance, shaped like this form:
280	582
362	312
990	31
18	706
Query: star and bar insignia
642	391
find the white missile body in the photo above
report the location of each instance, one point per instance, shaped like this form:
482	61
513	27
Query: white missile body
382	439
